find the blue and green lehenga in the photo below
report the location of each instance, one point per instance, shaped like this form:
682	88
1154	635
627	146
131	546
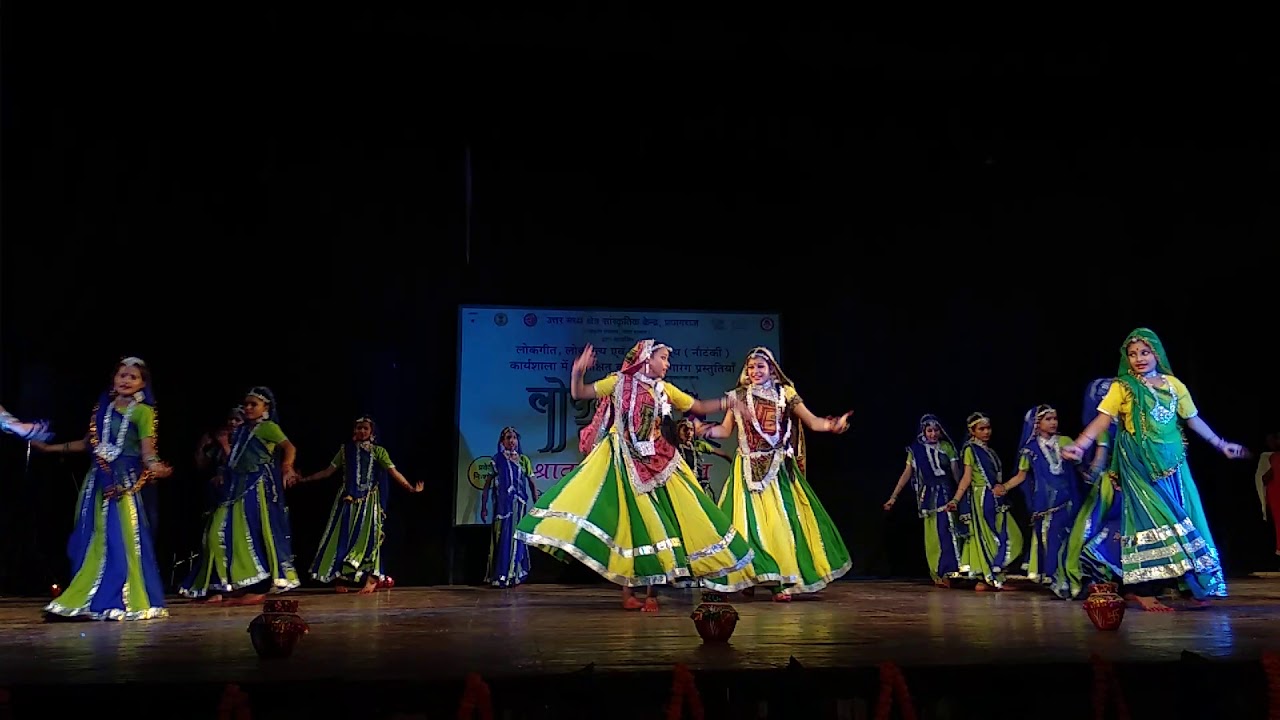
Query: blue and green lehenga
114	571
247	540
351	549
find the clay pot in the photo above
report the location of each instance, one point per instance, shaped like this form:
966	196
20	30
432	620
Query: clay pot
1104	607
274	635
714	619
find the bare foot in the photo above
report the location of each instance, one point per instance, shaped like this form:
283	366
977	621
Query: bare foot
248	599
1195	604
942	583
749	593
650	605
781	597
1148	603
631	603
982	587
213	599
369	586
340	588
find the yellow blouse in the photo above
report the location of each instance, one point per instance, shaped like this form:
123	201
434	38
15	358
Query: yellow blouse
1118	402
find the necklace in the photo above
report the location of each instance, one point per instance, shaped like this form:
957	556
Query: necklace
111	451
782	430
1049	448
933	451
1161	412
367	481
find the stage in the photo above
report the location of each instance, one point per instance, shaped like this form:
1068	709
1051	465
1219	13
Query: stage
527	642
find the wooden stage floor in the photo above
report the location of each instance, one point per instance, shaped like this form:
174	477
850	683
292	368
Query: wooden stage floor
406	634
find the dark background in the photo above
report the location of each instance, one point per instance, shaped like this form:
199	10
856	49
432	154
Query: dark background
947	222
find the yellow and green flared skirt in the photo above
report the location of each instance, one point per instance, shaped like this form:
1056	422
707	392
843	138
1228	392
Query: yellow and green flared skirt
795	545
671	535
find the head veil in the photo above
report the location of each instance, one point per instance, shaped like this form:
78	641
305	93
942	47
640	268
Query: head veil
1125	375
633	362
781	380
1029	422
930	419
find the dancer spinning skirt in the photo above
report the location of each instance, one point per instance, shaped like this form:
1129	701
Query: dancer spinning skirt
509	493
246	544
995	540
796	545
115	574
1092	551
632	510
1166	538
1052	491
351	549
933	468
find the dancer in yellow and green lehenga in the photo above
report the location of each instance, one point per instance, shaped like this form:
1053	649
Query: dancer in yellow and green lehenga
632	510
1165	536
796	546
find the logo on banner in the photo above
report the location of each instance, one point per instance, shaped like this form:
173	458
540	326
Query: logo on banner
481	472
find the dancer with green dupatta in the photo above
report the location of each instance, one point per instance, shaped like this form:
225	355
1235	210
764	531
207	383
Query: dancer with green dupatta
1165	536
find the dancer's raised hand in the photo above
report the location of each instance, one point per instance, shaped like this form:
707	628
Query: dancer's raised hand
586	360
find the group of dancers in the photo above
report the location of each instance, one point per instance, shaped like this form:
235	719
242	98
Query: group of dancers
1118	503
634	511
246	548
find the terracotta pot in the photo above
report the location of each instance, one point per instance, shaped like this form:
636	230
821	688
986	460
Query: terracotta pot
1104	607
279	605
274	635
714	619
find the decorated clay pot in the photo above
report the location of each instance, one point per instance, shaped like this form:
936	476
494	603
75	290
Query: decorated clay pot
275	634
279	605
714	618
1104	607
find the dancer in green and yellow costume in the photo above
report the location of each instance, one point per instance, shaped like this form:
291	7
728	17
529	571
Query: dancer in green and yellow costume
632	510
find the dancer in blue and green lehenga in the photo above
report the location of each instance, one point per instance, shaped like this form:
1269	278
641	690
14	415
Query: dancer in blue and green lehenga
351	548
1165	536
114	571
509	493
995	540
1052	490
1092	551
247	544
933	467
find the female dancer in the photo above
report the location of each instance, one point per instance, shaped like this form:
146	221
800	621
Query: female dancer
214	447
794	541
693	446
1052	491
246	542
115	575
36	431
1092	551
351	549
1166	535
632	510
995	540
933	467
510	493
